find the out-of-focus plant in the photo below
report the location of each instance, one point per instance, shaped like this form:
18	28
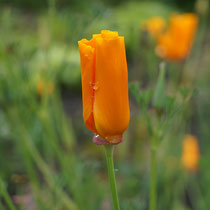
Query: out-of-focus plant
190	153
174	45
181	32
155	26
44	87
202	7
159	110
36	130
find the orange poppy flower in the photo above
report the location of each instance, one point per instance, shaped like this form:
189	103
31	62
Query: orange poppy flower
105	85
155	26
175	44
191	153
42	86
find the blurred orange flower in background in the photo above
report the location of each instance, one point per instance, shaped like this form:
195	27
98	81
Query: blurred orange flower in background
190	153
44	87
155	26
105	85
175	43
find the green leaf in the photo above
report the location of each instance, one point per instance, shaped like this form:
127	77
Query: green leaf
143	97
187	93
160	99
134	88
146	97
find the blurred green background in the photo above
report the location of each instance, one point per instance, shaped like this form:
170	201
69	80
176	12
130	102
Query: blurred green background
47	158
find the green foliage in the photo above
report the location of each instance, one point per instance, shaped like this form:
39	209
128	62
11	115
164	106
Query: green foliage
157	107
160	99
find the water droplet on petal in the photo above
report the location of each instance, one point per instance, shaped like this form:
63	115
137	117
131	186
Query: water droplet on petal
94	85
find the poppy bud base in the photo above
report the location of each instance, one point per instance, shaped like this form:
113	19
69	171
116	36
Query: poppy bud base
101	141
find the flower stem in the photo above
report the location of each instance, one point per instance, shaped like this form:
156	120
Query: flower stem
6	196
153	169
110	165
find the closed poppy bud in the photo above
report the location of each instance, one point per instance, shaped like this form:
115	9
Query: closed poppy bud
190	153
175	44
105	85
155	26
44	88
40	87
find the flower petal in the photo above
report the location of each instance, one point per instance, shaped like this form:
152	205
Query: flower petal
111	106
87	57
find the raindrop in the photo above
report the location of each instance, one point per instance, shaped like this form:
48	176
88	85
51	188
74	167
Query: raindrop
96	86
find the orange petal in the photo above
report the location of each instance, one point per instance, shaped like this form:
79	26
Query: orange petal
176	42
190	153
111	106
155	26
87	57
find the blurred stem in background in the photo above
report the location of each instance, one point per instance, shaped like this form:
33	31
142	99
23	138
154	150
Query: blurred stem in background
110	165
51	15
6	196
195	188
27	144
153	174
52	7
158	110
159	101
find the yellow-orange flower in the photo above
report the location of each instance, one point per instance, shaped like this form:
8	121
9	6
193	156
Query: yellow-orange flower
175	44
105	85
43	86
190	153
155	26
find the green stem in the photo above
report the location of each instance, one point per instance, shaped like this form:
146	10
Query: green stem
153	169
6	196
110	165
201	204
